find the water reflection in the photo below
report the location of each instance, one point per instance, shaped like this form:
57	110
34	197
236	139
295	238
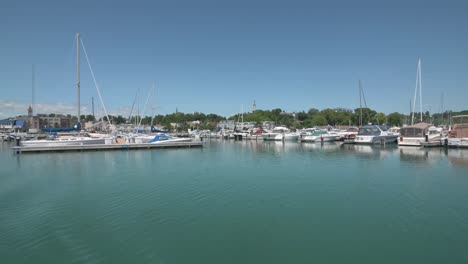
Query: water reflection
421	155
370	152
458	157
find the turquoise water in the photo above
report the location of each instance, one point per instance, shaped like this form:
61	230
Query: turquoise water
236	202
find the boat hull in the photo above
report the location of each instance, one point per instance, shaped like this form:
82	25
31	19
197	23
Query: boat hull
375	139
67	142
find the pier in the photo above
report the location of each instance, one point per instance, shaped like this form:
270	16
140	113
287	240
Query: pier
102	147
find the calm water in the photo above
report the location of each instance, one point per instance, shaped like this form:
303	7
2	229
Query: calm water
236	202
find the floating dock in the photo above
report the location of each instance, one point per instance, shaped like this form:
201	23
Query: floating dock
102	147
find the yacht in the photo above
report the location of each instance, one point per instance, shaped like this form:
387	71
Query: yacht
280	134
321	136
348	133
375	134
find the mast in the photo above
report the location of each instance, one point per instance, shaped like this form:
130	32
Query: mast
92	103
78	72
420	89
33	89
360	103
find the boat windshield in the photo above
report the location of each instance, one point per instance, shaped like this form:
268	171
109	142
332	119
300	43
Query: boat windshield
369	131
279	131
318	133
412	132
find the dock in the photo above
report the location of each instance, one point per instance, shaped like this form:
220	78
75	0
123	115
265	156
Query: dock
104	147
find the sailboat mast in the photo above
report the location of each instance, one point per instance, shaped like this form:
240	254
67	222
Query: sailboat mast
78	72
420	89
360	103
33	89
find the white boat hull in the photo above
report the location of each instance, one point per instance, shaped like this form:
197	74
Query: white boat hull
458	142
376	139
65	142
319	138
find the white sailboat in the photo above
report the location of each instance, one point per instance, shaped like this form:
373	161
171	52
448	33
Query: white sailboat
78	139
416	134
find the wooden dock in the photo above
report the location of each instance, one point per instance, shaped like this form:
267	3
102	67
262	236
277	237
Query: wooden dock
102	147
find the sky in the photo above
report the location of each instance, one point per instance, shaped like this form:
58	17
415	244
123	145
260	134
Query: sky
220	56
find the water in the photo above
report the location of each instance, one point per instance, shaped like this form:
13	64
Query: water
236	202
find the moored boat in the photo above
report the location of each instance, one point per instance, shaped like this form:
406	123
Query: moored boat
416	134
458	135
375	134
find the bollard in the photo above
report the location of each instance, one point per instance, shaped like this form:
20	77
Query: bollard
18	139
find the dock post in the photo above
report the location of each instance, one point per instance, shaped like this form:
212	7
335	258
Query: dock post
321	140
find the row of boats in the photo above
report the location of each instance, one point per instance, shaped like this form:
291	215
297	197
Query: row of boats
420	134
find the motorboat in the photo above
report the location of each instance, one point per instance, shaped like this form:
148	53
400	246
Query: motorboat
348	133
321	136
164	138
375	134
281	134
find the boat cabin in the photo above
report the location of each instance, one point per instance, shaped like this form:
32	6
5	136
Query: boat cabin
418	130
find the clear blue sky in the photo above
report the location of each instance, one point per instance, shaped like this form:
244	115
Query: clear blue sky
214	56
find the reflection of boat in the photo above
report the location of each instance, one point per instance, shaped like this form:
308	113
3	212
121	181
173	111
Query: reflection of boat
420	155
280	134
416	134
458	157
320	136
458	136
374	134
368	151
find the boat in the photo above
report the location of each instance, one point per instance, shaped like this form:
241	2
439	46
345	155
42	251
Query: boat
59	139
375	134
421	132
71	140
348	133
165	138
321	136
458	135
280	134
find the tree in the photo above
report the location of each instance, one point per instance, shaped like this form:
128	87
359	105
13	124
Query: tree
395	119
319	120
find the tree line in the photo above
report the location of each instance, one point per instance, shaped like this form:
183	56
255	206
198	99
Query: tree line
313	117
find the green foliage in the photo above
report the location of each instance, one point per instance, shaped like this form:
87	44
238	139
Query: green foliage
395	119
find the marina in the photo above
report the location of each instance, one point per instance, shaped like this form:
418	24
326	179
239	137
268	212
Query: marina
233	132
282	199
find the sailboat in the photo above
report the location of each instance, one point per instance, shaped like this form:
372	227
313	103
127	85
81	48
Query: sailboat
71	139
416	134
